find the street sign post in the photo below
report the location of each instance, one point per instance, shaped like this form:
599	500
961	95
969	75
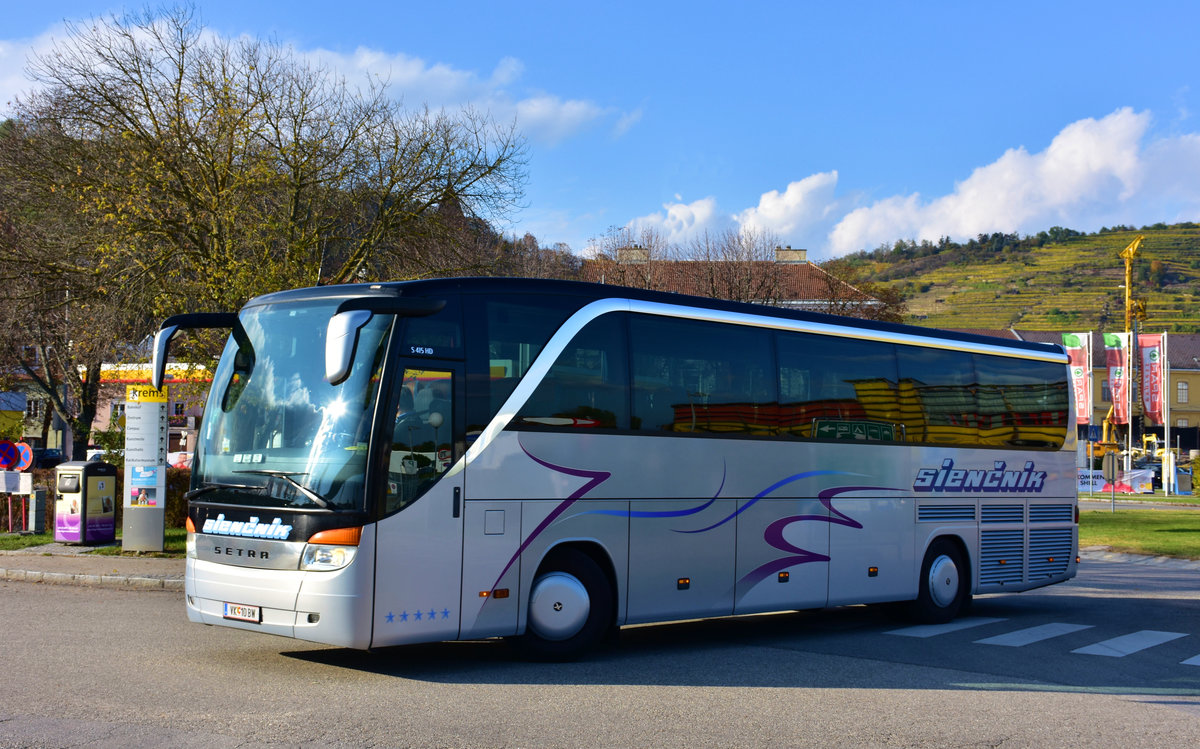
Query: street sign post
145	500
1108	468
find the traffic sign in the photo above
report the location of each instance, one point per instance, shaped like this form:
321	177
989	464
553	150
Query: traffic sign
26	456
9	455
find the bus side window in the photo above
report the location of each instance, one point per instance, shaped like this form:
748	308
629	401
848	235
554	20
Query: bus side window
940	386
586	386
1023	404
702	377
839	382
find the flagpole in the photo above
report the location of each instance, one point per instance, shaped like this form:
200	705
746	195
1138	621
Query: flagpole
1168	485
1091	399
1130	352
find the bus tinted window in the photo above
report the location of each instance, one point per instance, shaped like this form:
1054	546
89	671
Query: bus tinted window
698	377
1022	403
586	386
438	335
937	394
691	376
829	384
509	332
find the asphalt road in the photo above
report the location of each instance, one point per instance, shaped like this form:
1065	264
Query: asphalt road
1106	660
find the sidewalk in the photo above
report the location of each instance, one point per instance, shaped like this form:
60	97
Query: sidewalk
65	564
72	565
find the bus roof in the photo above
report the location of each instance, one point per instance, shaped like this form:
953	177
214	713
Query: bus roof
587	292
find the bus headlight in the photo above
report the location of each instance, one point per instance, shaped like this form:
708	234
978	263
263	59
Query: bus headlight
331	549
324	558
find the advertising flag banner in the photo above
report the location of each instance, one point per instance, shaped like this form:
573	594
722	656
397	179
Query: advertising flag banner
1151	381
1079	351
1116	356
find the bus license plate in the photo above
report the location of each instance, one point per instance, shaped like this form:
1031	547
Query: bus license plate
243	613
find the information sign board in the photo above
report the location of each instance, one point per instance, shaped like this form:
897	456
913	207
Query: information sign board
145	468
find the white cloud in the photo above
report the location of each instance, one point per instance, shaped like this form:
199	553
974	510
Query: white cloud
1093	172
680	222
13	56
542	117
800	215
626	122
797	209
549	119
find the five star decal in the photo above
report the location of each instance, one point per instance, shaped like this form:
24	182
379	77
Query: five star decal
419	615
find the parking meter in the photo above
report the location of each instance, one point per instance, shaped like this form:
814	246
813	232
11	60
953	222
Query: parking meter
85	511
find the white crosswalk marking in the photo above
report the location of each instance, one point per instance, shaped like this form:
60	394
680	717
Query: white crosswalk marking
1033	634
1119	647
932	630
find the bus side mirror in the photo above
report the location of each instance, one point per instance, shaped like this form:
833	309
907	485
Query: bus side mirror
340	339
159	364
342	334
194	320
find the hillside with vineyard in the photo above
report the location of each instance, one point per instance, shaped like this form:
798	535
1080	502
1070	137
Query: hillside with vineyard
1057	280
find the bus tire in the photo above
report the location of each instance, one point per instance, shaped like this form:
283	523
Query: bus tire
945	584
570	608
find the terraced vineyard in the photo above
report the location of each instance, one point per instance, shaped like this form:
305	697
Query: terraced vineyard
1074	284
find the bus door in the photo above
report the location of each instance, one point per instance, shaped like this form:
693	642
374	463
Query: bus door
418	568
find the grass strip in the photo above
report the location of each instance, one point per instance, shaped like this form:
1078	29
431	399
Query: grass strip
1173	533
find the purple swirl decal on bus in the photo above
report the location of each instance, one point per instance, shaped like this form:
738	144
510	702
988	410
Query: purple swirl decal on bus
774	535
596	479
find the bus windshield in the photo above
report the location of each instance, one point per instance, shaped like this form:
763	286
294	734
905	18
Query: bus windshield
276	433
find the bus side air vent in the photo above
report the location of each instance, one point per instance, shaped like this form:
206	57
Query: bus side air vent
1049	552
1002	513
1051	513
945	513
1001	557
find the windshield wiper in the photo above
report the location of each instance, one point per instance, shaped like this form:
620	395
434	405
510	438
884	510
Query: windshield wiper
213	486
287	476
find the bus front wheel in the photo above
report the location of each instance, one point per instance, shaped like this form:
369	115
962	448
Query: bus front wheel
570	607
945	584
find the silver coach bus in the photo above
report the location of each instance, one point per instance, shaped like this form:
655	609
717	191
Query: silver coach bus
468	458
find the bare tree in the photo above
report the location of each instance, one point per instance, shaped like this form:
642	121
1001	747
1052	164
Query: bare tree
245	169
736	264
641	258
525	257
848	294
68	318
157	168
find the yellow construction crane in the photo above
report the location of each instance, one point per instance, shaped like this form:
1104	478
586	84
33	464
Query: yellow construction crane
1133	307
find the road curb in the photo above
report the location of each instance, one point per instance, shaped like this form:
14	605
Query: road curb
103	581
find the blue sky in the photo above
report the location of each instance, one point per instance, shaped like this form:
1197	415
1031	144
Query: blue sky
834	126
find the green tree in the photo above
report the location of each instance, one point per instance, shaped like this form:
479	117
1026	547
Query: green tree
222	169
157	168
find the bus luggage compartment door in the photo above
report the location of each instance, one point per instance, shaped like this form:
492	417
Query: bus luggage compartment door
490	600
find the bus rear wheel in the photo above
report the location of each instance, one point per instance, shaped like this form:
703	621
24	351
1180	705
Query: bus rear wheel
570	608
945	584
